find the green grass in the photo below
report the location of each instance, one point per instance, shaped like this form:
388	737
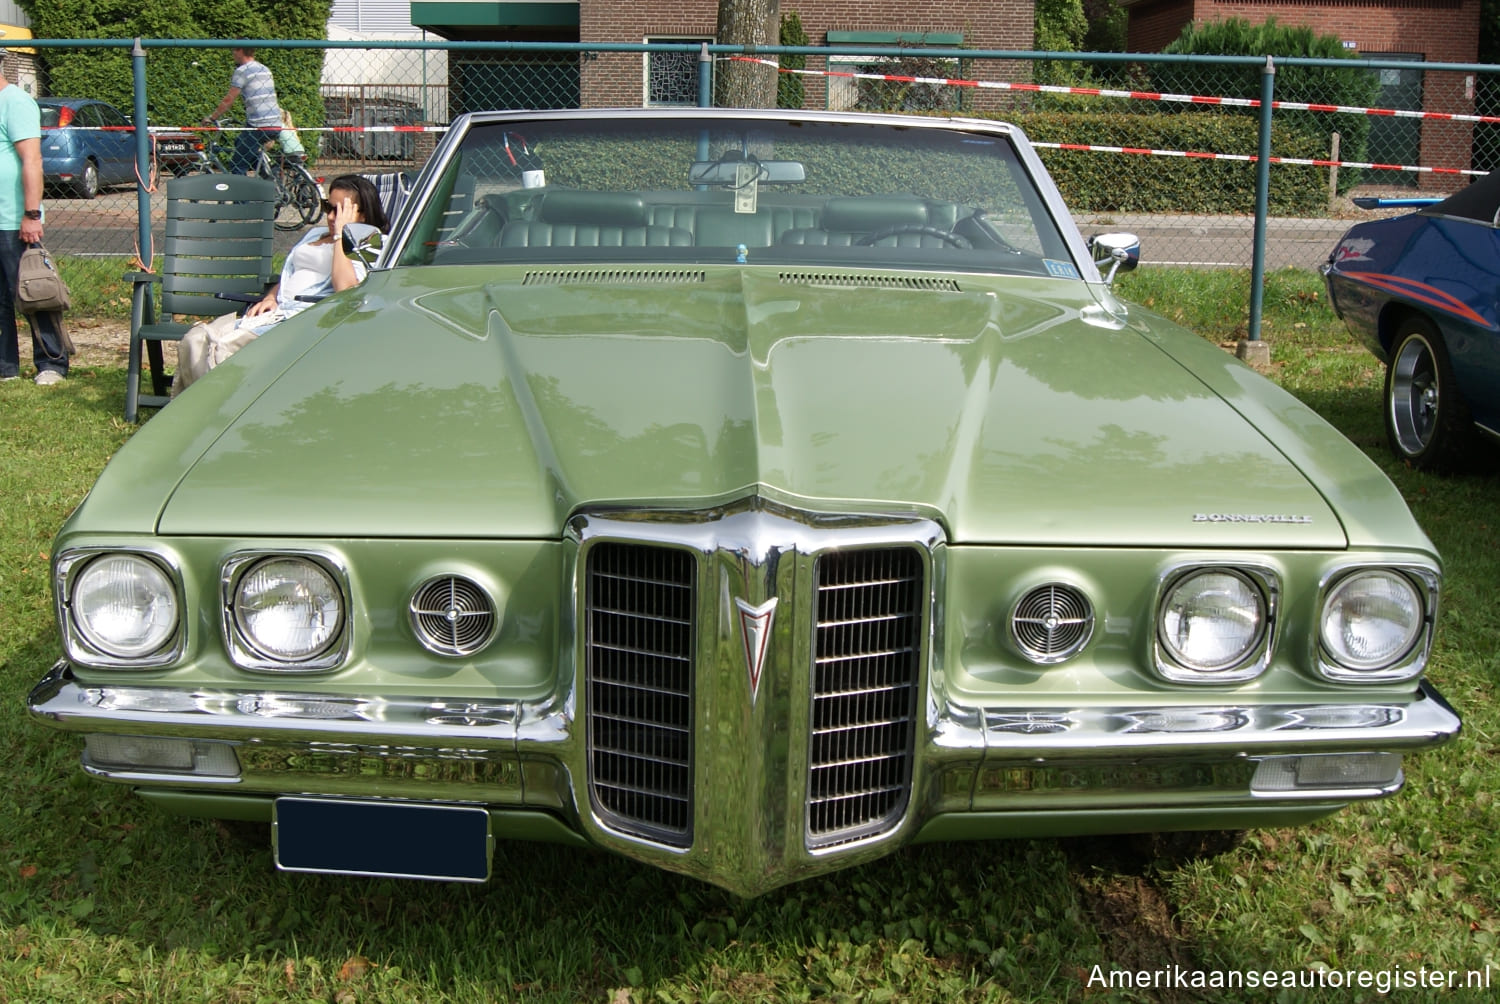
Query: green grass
104	899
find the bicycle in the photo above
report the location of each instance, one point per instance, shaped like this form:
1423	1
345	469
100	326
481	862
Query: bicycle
299	197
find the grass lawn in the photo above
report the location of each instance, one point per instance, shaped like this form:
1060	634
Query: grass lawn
103	899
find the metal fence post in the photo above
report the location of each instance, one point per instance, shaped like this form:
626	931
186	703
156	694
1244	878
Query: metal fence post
1262	199
705	78
142	151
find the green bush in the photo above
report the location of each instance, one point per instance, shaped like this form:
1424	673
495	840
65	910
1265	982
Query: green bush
1108	182
1356	86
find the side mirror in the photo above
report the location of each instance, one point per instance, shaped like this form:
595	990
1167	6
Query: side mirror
1119	251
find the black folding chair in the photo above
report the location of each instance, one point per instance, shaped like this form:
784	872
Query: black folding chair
219	235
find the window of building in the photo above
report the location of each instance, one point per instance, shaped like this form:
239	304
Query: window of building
865	93
672	77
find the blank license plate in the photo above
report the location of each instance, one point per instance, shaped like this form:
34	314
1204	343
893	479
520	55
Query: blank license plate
449	843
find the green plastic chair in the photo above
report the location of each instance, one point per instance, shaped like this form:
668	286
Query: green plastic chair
219	236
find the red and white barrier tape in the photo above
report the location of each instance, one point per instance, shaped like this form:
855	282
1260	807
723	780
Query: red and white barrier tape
1252	158
1103	92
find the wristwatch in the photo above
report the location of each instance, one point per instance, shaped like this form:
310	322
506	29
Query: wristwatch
32	214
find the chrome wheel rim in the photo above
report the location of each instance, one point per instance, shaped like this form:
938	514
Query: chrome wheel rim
1414	395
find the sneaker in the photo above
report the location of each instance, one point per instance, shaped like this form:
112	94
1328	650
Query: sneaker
48	378
13	376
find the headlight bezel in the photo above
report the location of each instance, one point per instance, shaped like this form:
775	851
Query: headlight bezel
67	569
244	651
1263	580
1412	661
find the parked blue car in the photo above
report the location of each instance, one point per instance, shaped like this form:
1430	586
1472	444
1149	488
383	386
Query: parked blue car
1422	291
86	146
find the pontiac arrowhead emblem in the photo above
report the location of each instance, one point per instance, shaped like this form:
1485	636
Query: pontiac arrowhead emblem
755	631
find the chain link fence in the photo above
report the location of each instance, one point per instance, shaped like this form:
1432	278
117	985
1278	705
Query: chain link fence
1162	146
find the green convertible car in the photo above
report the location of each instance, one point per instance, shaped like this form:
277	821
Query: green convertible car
749	494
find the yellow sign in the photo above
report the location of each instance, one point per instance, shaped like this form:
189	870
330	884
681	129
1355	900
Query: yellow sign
12	33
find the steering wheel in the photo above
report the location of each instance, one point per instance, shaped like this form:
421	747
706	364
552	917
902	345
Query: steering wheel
947	236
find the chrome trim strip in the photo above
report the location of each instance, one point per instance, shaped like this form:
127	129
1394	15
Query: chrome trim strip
63	702
1036	735
1033	735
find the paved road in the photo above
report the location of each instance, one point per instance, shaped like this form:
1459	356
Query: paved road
107	226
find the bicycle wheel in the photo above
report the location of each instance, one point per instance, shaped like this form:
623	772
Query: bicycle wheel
299	201
307	195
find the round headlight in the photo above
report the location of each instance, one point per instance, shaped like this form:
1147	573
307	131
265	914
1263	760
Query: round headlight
288	609
124	606
1371	620
1212	620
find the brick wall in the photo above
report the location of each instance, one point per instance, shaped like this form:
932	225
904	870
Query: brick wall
617	80
1442	31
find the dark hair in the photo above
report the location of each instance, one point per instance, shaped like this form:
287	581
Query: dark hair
367	197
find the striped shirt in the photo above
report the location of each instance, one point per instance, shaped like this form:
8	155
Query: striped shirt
258	91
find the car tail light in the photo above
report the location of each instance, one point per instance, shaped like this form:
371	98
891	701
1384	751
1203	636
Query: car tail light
64	118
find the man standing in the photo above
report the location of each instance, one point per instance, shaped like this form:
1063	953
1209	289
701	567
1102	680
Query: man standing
252	82
21	224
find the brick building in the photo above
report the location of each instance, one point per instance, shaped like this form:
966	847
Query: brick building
1445	31
636	80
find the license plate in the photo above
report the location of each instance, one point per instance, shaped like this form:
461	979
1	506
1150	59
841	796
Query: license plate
448	843
170	146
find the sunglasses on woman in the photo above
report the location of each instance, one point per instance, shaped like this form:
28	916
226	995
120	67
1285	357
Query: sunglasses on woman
329	207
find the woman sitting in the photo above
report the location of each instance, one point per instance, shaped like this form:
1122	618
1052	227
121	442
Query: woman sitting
324	261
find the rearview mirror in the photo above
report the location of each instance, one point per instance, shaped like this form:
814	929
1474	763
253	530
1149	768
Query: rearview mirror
727	172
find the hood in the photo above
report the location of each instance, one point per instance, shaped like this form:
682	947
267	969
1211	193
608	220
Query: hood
1012	410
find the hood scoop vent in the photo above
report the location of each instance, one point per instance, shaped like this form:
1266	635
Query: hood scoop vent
869	281
613	277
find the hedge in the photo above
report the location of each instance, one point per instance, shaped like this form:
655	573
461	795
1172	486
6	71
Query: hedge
1111	182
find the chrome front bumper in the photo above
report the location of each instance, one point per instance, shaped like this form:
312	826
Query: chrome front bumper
988	772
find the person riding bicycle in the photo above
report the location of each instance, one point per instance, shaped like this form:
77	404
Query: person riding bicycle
253	83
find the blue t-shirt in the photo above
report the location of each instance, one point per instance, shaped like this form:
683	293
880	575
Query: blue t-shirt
20	119
258	91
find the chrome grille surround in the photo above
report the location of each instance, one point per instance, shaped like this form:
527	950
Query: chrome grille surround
1052	623
867	665
452	615
640	668
751	740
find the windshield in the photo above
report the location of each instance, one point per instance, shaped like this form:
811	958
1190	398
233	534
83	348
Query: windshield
714	191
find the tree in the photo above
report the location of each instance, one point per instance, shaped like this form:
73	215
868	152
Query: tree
1060	27
747	22
790	87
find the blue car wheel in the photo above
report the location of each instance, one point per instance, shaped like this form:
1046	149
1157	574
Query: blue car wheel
1426	420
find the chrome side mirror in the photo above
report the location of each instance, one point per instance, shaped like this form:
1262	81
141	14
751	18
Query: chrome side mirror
1120	251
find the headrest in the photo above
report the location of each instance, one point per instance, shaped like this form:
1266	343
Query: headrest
872	213
604	209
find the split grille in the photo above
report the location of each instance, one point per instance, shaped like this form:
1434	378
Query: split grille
640	685
866	666
864	677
